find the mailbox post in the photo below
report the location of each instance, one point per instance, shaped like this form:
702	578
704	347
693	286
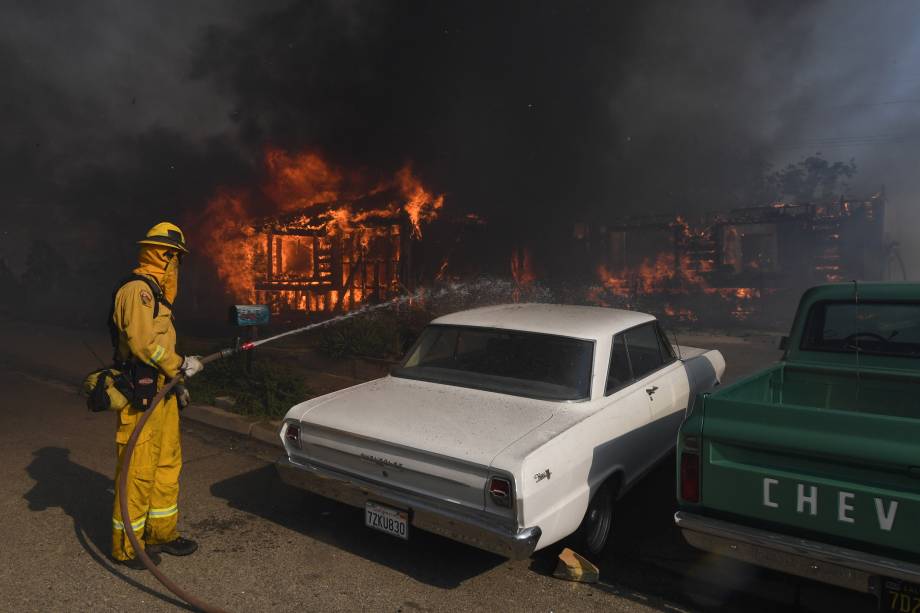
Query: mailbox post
250	316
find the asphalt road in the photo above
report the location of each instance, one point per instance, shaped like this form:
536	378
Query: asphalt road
267	547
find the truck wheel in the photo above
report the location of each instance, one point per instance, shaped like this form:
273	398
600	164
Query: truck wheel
595	528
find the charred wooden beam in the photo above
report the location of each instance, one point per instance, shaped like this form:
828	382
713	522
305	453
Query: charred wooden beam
282	231
349	285
268	260
291	286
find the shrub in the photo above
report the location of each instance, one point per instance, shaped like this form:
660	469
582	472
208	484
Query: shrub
270	390
375	336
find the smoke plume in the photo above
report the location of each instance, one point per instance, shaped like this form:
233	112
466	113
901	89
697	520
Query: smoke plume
531	114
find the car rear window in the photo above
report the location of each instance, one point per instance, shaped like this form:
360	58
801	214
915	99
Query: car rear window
526	364
878	328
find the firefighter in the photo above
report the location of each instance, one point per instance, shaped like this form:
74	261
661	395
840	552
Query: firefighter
145	350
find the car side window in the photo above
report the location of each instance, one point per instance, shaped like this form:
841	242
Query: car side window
619	373
644	349
667	350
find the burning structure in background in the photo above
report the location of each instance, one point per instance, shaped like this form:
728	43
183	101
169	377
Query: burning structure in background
314	238
737	263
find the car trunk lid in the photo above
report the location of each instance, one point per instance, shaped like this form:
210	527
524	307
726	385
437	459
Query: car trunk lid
419	436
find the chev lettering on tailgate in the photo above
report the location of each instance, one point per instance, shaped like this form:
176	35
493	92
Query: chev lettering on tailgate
806	502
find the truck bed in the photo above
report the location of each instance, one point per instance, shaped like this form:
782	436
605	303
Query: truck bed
820	451
865	391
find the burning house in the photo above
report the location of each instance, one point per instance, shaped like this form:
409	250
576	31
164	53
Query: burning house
315	268
740	260
313	239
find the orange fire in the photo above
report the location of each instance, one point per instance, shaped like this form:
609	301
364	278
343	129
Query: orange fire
647	278
420	204
662	277
522	267
307	216
680	314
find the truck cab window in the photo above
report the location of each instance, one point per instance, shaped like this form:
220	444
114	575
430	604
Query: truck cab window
877	328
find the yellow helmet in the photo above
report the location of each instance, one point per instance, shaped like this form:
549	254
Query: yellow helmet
165	234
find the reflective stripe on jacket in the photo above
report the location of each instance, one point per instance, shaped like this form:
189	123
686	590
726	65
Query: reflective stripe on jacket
151	340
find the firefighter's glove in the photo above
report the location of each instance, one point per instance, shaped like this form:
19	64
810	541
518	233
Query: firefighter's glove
191	366
182	396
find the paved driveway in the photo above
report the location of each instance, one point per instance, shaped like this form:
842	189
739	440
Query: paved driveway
267	547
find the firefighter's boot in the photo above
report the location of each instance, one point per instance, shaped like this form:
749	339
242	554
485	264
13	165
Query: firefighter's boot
177	547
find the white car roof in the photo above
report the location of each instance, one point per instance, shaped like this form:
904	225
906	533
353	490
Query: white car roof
585	322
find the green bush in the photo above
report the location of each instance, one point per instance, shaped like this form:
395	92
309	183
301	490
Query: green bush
375	336
270	390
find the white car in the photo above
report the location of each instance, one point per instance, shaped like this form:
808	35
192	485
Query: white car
507	428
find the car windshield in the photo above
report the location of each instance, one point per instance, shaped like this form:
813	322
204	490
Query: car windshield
881	328
505	361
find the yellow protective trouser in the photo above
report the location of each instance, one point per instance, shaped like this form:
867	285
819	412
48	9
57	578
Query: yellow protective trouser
153	479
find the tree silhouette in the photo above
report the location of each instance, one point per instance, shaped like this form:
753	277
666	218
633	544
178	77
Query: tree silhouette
810	179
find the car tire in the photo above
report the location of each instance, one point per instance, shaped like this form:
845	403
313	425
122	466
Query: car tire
596	527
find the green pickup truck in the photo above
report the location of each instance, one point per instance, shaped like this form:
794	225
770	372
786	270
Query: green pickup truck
812	467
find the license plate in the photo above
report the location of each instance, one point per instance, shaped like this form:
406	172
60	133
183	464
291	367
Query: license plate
899	596
386	519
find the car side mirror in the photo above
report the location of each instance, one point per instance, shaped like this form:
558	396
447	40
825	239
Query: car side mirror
783	343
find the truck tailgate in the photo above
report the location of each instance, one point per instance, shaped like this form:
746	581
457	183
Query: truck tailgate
846	475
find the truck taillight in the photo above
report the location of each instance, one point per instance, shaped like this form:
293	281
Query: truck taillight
500	491
292	435
690	470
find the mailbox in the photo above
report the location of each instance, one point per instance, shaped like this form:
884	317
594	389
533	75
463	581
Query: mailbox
249	315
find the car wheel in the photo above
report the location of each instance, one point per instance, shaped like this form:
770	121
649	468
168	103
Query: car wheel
598	522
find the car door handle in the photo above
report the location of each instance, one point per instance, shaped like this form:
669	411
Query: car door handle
651	390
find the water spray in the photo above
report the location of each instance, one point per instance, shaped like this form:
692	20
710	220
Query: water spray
219	355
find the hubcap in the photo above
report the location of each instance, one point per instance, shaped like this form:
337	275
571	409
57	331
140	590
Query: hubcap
599	520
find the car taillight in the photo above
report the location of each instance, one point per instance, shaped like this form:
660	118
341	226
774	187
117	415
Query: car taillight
500	491
690	470
292	435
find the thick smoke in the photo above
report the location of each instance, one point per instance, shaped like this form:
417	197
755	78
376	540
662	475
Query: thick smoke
531	114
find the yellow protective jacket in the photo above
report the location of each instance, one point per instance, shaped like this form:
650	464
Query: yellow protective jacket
149	339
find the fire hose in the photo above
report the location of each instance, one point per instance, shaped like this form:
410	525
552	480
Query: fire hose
157	400
123	488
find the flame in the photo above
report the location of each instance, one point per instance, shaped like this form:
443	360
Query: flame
647	278
667	275
299	180
229	244
313	208
522	267
420	204
680	314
